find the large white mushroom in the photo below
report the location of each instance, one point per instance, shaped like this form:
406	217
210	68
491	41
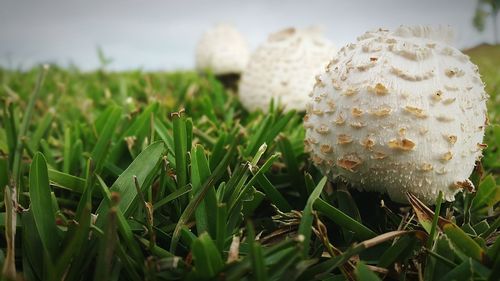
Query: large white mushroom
284	68
399	111
223	50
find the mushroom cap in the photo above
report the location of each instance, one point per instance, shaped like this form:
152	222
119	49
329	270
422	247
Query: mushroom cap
399	111
223	50
283	68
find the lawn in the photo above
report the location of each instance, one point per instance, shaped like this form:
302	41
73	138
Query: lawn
164	176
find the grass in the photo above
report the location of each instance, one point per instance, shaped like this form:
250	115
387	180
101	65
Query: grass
163	176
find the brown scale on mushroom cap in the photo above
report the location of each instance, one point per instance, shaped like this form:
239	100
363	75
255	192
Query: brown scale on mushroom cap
357	124
418	112
437	96
349	162
356	112
367	142
452	139
426	167
326	148
344	139
379	89
447	156
401	144
381	111
340	120
378	155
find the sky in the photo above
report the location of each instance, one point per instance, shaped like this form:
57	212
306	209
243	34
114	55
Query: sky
162	35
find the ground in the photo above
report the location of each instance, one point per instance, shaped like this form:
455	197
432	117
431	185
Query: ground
164	176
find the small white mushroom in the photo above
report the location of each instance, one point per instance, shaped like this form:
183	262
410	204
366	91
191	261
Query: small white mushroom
284	68
416	120
223	50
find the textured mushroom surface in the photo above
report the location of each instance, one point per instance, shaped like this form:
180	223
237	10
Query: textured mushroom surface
283	69
399	111
222	50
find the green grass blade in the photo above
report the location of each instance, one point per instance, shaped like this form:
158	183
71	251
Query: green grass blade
365	274
273	194
496	270
66	181
103	144
42	128
76	156
67	150
23	130
47	152
218	151
193	204
199	173
309	182
238	190
107	246
4	172
321	270
101	120
432	233
343	220
189	134
180	146
441	258
347	205
305	227
396	251
251	201
259	271
240	193
207	259
162	131
279	126
143	167
41	205
172	196
9	126
257	138
220	229
9	263
79	235
494	250
292	165
157	250
463	271
488	194
129	266
36	264
464	242
123	227
138	128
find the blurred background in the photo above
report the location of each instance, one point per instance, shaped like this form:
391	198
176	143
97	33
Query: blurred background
162	35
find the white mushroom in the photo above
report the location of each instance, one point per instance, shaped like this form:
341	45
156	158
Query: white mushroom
284	68
222	50
399	111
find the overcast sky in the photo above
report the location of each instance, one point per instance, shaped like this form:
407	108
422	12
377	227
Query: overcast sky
156	35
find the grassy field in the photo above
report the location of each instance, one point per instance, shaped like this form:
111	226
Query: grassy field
164	176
